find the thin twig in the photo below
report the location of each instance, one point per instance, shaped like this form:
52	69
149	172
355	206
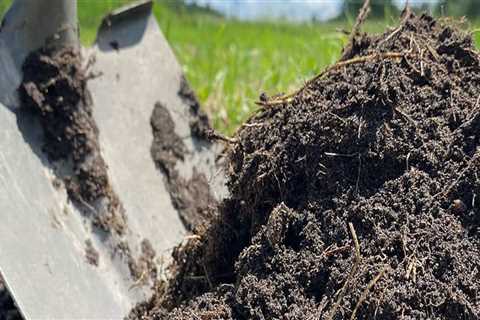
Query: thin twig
416	43
365	292
329	252
359	171
252	125
412	66
435	56
346	155
422	67
203	278
390	36
207	276
355	241
361	17
352	273
213	135
346	32
470	118
447	191
140	281
405	115
86	204
356	60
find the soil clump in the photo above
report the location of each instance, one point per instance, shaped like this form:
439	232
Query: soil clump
354	197
190	196
91	254
54	87
199	123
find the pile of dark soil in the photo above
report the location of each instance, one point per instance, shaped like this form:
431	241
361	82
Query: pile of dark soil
356	197
54	87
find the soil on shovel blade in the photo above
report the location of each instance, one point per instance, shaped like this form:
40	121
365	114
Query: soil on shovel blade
356	197
191	197
54	88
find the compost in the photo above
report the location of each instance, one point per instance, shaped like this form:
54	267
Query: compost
354	197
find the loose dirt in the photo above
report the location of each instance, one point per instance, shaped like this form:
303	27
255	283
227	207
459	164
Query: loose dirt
192	196
199	123
355	197
144	267
54	88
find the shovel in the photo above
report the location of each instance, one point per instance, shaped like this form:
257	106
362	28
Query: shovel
54	261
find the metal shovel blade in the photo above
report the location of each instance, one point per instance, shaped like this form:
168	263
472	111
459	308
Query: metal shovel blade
43	235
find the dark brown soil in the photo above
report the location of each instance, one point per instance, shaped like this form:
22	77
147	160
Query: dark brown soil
199	124
191	197
144	267
354	198
54	88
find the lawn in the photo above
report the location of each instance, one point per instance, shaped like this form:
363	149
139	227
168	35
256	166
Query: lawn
229	63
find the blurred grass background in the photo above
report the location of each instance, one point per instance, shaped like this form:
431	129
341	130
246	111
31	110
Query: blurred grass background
230	62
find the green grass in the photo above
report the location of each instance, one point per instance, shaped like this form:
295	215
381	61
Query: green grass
229	63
